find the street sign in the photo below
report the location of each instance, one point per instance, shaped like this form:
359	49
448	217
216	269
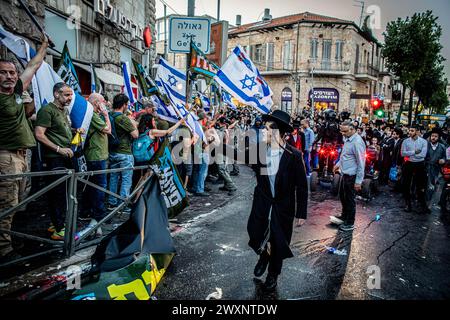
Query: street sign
182	29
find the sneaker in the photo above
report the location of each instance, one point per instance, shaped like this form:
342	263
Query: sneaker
347	227
201	194
58	236
335	220
126	210
51	229
233	173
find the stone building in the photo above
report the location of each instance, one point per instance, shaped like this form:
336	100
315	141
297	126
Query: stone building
102	32
298	52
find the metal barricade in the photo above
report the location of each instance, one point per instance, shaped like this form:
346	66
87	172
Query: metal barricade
70	245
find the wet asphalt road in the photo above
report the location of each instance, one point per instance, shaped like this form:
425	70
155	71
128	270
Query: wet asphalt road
412	251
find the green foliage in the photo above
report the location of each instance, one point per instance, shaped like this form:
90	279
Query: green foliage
413	53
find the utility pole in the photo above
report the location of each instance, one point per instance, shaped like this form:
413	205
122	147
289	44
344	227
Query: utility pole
191	13
312	96
191	8
218	10
165	31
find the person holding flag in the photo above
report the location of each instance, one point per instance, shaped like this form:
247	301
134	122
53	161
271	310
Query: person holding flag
16	136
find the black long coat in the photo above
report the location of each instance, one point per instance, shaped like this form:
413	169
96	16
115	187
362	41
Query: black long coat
291	197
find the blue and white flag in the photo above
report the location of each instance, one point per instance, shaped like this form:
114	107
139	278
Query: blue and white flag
226	97
80	110
240	77
172	83
127	82
206	103
164	112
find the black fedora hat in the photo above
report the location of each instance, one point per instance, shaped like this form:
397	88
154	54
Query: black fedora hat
281	118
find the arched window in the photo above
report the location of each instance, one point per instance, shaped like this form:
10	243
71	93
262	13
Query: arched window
286	100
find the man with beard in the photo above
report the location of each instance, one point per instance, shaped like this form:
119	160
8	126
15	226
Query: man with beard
54	132
281	194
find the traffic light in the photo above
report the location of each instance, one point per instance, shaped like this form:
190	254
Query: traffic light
379	113
376	103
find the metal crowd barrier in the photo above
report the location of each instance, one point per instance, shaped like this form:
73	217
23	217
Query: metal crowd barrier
70	245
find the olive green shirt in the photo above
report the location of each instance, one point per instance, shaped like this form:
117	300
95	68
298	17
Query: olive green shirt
58	128
124	127
15	129
96	147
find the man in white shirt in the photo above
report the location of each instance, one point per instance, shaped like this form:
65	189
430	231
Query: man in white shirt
414	150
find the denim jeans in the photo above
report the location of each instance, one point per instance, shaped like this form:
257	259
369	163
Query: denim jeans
94	198
198	184
307	159
116	161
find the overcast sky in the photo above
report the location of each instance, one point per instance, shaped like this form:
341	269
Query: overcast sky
252	10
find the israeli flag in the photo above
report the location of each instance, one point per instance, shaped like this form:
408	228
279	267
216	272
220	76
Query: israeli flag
80	110
127	82
226	97
164	112
241	78
172	82
205	102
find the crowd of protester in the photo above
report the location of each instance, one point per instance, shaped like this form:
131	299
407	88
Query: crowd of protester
410	157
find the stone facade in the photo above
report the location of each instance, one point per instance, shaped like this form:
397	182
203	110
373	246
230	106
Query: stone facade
355	75
98	40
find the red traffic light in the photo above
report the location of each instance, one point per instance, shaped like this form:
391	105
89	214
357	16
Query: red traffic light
147	35
376	103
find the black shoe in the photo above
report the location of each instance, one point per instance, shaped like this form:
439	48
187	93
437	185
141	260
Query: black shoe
234	173
227	189
201	194
271	282
261	265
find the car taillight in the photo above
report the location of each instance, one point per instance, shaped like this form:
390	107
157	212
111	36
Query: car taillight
446	170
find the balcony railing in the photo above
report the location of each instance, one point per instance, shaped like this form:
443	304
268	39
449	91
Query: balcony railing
329	65
367	69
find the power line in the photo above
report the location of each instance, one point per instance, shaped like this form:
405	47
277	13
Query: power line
165	3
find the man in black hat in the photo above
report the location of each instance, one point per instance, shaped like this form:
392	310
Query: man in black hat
281	194
297	137
435	159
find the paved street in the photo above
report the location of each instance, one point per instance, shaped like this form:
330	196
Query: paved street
410	249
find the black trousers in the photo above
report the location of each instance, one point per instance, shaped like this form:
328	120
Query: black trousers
57	202
347	197
275	262
414	171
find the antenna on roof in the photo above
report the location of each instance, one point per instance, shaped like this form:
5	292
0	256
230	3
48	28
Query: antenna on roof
361	5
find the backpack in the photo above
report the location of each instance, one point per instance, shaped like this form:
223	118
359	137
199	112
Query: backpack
144	147
113	139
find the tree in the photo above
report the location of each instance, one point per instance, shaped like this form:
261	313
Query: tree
412	47
430	84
